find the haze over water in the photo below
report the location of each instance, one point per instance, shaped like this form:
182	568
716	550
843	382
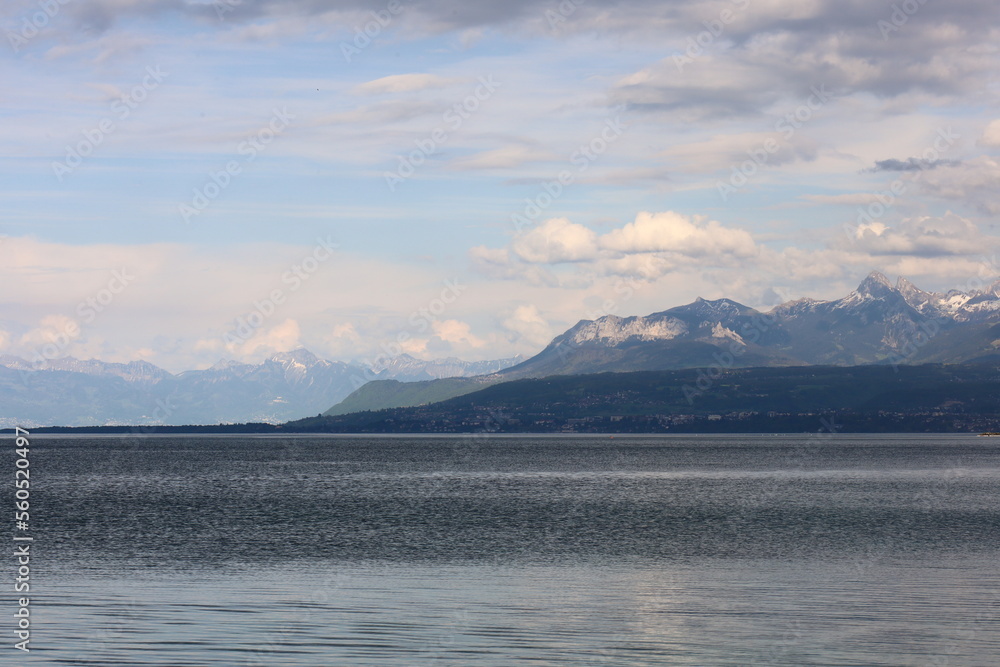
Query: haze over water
705	550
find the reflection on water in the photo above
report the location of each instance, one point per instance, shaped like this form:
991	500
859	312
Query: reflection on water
549	551
722	613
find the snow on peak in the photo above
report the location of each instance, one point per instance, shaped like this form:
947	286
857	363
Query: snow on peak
298	357
875	284
717	308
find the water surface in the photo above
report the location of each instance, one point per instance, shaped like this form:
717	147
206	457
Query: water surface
694	550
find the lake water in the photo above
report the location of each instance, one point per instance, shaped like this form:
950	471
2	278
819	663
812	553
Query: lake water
695	550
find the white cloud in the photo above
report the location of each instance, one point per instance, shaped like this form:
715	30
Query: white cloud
648	248
676	233
54	337
561	253
403	83
991	135
184	301
268	341
527	324
346	331
925	236
455	331
645	266
555	241
504	158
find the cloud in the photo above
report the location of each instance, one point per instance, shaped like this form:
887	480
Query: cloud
282	337
455	331
555	241
925	236
502	264
490	256
849	199
643	267
991	135
403	83
769	55
724	151
504	158
53	337
678	257
527	324
185	300
972	183
651	246
382	113
676	233
346	331
886	96
910	164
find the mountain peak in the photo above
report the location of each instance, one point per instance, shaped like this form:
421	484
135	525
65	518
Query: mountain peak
917	298
300	355
714	308
994	288
875	283
224	364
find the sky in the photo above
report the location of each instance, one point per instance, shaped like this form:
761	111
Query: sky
188	181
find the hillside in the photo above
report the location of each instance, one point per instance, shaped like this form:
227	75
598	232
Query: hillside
867	398
877	323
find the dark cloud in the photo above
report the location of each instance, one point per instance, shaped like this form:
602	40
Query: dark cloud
910	164
973	183
767	57
830	18
761	56
434	15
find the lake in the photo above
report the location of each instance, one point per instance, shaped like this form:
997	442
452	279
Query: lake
504	550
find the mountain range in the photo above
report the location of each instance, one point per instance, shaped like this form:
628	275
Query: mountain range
877	323
287	386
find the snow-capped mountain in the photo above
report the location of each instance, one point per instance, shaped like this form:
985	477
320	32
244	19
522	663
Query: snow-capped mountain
133	371
973	306
286	386
876	323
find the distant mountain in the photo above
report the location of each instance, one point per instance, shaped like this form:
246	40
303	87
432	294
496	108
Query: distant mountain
901	324
878	323
72	392
138	372
289	385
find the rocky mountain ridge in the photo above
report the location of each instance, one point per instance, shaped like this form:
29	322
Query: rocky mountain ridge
877	323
